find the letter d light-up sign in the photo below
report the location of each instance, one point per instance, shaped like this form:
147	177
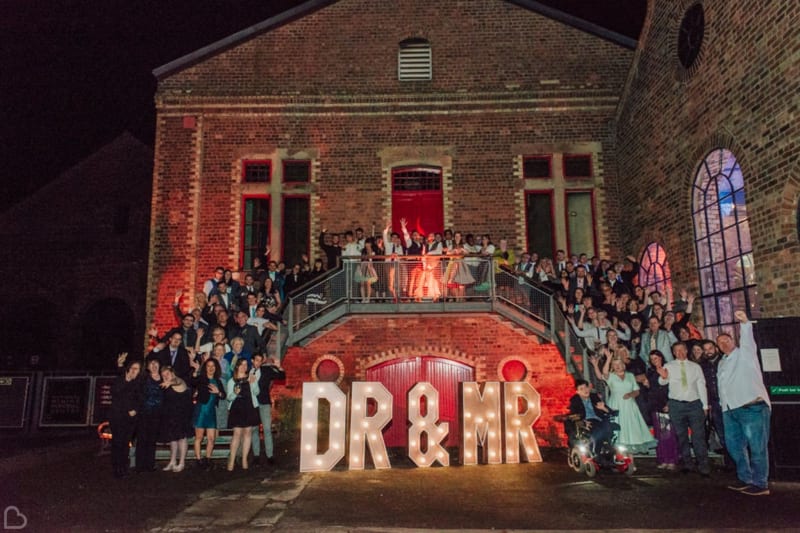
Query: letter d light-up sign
424	393
369	428
310	460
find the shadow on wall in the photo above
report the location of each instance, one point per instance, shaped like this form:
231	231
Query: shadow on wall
29	335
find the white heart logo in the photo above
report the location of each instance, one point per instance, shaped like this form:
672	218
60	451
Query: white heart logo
13	519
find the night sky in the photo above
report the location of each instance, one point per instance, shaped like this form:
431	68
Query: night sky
74	74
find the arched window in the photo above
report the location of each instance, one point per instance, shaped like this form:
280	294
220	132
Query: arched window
654	273
722	241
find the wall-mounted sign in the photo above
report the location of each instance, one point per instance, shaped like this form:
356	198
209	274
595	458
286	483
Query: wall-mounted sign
13	400
496	418
65	401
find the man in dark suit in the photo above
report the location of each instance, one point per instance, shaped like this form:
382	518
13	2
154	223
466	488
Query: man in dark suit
175	355
253	342
267	370
592	410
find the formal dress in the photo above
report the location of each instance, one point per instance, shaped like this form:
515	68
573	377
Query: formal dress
176	415
243	414
633	430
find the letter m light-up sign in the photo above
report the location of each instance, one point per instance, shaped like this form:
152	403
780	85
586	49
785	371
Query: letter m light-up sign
497	424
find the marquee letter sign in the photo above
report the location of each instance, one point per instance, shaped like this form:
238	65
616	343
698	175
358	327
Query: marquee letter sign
482	424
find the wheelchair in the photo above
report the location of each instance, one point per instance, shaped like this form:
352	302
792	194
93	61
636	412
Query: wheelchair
607	454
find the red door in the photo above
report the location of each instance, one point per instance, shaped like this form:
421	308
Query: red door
417	197
400	375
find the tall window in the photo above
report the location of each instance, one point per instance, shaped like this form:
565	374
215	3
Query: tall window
654	271
255	229
722	240
296	228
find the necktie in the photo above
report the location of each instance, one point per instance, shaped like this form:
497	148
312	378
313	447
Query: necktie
684	382
172	355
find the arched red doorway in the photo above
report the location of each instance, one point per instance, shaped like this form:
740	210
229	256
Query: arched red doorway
399	375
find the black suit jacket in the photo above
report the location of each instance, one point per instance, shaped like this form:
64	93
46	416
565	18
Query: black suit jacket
576	406
253	342
268	375
181	367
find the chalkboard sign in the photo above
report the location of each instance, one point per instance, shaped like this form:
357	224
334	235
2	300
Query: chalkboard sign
65	401
101	404
13	400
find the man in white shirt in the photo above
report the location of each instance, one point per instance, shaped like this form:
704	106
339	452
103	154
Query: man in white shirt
688	406
746	409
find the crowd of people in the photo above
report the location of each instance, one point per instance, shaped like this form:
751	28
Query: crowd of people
212	370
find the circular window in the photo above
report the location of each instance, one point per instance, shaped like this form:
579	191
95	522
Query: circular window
514	370
328	368
690	35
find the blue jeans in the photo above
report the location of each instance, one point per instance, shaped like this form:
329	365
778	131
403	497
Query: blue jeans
686	415
265	414
746	437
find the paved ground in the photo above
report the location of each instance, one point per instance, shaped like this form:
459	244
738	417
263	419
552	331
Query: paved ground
64	486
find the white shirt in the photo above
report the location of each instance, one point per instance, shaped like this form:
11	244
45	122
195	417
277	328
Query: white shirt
695	388
739	375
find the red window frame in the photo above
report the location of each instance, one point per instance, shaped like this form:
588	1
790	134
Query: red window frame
246	197
248	162
549	159
283	222
591	192
551	194
290	161
564	159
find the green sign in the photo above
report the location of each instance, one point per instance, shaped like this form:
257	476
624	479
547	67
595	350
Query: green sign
783	390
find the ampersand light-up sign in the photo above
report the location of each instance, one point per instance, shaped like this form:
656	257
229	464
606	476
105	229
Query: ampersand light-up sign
481	423
310	459
368	429
424	393
520	425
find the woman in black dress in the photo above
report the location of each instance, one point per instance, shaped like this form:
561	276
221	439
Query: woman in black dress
242	391
176	418
149	417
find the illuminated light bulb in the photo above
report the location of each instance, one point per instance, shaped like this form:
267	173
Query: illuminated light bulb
516	422
384	407
373	436
440	429
335	446
356	407
490	416
479	420
321	390
422	423
517	388
336	424
412	443
412	403
489	390
528	451
468	455
356	437
308	447
509	434
309	404
422	388
319	462
510	453
509	406
354	458
369	389
440	455
309	425
431	403
467	415
422	459
492	434
365	424
379	458
469	391
492	454
338	404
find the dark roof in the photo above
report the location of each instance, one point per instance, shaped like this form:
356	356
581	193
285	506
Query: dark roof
310	6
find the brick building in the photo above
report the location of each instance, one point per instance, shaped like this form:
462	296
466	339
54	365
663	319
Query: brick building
500	117
74	265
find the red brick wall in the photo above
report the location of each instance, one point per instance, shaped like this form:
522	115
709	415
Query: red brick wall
480	341
742	96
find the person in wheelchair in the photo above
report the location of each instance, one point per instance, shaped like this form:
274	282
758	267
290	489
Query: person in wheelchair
589	413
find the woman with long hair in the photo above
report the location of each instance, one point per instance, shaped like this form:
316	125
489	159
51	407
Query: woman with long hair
126	394
242	392
207	381
149	417
667	454
176	419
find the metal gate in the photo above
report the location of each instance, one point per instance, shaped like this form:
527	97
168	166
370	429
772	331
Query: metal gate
400	375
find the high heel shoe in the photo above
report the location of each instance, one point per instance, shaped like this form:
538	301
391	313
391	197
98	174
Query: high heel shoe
179	468
169	468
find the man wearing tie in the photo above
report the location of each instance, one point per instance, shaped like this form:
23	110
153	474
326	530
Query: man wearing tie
688	406
174	355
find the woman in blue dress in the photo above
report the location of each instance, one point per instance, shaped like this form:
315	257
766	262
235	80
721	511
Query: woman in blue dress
207	382
622	392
